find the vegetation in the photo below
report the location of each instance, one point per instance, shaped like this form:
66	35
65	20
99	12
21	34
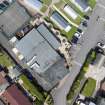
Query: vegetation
89	87
31	88
92	3
46	2
49	100
5	60
76	85
69	34
43	9
90	59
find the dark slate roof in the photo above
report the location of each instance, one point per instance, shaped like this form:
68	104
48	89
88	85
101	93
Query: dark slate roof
43	30
13	18
58	18
54	74
82	3
33	44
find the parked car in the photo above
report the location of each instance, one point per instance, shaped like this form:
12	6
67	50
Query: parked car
78	35
80	31
101	45
86	17
84	23
74	40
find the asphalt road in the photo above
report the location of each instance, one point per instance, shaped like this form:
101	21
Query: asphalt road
94	33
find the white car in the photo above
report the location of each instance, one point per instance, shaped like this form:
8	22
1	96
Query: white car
77	35
101	45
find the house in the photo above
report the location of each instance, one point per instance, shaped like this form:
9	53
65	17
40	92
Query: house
82	4
12	19
3	82
34	4
48	36
68	10
13	96
4	4
40	55
60	21
14	72
1	102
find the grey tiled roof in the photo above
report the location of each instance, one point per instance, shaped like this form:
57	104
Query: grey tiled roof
33	44
43	30
13	18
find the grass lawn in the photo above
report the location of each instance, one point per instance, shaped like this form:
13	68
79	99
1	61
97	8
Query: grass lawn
90	58
31	88
89	87
44	9
5	60
46	2
69	34
92	3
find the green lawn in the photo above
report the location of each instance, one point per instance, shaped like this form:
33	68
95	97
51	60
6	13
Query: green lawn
5	60
92	3
89	87
31	88
69	34
90	58
46	2
44	9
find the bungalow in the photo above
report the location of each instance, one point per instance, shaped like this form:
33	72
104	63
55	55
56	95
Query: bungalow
60	21
82	4
13	96
68	10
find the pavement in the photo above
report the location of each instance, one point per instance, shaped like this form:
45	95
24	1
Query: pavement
93	34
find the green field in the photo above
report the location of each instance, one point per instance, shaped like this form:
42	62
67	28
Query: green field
5	60
92	3
69	34
46	2
31	88
89	87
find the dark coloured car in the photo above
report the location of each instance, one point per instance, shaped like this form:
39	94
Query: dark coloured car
84	23
6	3
74	40
86	17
